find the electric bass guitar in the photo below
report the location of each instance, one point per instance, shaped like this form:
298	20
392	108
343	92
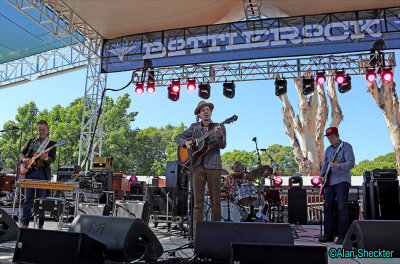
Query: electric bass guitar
328	171
24	169
199	145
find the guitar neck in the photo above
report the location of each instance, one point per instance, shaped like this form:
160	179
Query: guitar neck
206	135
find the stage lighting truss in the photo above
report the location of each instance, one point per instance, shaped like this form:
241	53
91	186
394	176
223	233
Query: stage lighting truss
229	89
204	90
308	85
280	87
139	88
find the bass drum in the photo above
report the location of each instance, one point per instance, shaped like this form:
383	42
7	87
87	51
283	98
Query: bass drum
236	213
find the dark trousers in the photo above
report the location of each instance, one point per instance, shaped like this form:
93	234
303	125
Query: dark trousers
35	174
339	191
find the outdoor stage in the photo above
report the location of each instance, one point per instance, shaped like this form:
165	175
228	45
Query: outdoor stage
176	245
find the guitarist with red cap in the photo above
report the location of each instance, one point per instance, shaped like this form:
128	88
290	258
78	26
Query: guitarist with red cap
335	173
39	170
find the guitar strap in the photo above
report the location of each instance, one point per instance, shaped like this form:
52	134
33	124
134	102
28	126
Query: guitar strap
43	145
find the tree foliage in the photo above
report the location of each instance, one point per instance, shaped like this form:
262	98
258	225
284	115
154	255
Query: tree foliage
387	161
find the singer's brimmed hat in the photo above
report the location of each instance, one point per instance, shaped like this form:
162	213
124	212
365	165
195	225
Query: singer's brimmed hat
237	166
331	131
201	105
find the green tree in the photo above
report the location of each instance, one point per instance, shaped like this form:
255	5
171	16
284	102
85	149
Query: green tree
387	161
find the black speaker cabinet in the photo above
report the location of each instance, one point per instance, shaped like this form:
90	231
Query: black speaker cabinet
126	239
175	177
366	200
138	209
8	227
58	247
384	199
177	200
214	239
297	205
374	235
250	253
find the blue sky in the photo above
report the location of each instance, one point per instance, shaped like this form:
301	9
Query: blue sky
258	109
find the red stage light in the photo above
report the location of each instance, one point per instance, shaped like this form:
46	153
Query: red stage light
191	86
133	178
176	87
387	75
321	78
150	88
278	181
315	181
371	75
139	88
340	78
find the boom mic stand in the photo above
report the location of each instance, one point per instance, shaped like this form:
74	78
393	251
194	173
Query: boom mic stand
260	186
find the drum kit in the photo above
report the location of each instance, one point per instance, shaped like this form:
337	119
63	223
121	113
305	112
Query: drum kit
249	196
7	181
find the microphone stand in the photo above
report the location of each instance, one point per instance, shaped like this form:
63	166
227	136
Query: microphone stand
261	184
17	176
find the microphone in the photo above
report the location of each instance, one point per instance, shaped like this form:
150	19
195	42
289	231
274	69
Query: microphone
254	139
197	119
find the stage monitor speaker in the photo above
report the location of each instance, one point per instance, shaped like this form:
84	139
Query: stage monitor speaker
138	209
250	253
58	247
297	205
384	199
126	239
8	227
214	239
374	235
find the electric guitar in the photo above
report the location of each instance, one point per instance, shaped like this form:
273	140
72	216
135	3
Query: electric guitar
24	169
328	171
199	145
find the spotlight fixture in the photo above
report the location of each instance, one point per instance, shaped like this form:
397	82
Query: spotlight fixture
229	89
204	90
139	88
277	181
173	94
308	85
280	87
321	78
340	78
150	87
315	181
176	86
191	86
345	86
371	75
387	75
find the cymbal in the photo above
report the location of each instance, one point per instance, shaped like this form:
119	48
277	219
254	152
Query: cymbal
254	174
6	170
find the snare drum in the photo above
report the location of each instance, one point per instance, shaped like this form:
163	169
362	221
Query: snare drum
236	213
7	183
246	193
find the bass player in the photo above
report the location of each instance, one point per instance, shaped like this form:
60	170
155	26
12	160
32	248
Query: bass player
207	169
40	171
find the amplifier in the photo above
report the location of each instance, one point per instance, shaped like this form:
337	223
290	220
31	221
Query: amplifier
65	171
138	209
50	205
177	200
387	174
91	209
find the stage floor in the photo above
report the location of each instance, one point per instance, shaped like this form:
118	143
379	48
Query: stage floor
172	240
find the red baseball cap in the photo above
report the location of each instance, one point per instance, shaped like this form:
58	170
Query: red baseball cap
331	131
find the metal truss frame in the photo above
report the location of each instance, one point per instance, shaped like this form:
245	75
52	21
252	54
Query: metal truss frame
92	119
63	23
353	64
40	66
252	9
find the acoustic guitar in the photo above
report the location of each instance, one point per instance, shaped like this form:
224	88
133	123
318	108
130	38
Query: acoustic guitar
199	145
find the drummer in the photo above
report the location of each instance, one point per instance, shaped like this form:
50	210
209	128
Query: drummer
234	180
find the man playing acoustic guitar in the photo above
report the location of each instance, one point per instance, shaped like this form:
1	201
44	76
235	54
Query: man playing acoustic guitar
207	169
39	171
339	160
